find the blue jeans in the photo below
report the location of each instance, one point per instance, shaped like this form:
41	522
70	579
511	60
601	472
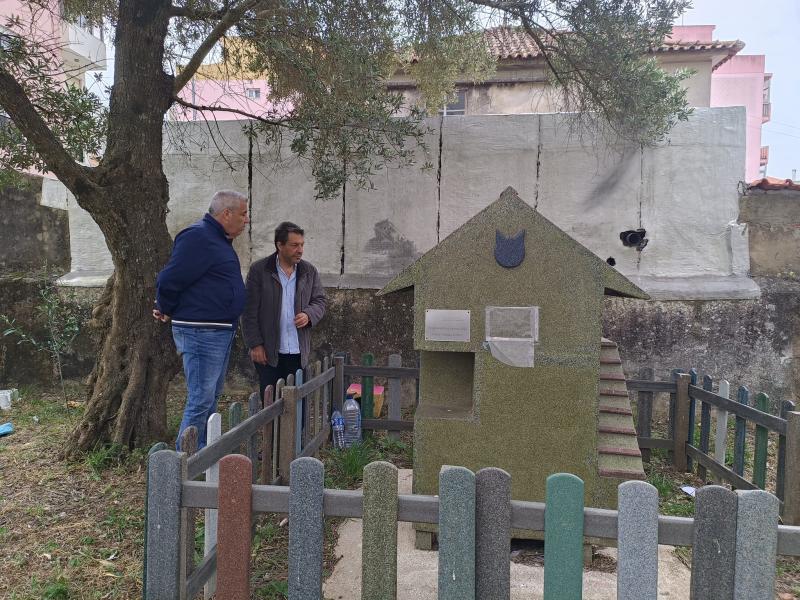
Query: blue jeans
205	353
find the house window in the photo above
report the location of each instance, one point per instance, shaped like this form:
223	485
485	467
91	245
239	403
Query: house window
253	93
457	106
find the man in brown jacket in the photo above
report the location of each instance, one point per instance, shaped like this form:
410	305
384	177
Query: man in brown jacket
285	298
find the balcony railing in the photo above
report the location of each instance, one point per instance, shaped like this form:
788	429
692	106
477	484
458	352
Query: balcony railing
764	155
766	111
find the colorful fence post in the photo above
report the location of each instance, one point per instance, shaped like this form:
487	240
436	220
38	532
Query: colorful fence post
338	382
153	449
721	436
394	394
637	532
299	379
705	426
673	400
760	454
253	406
563	537
189	447
267	434
692	418
492	534
287	433
213	433
379	533
235	514
456	534
644	411
681	423
166	526
367	392
756	544
787	406
791	502
714	543
742	397
306	529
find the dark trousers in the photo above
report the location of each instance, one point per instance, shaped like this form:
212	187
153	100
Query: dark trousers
267	375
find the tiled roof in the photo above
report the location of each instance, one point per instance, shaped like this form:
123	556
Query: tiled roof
774	183
514	42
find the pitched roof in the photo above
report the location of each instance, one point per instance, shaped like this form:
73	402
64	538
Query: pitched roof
614	283
774	183
515	43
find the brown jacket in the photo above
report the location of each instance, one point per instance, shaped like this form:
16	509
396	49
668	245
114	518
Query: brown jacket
262	311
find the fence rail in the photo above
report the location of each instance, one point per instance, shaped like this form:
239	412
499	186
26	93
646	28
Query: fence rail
474	543
689	454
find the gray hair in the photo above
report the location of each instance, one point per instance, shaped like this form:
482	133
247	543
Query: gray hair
225	199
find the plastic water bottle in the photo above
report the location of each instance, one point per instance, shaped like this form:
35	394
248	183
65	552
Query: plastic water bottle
352	422
337	423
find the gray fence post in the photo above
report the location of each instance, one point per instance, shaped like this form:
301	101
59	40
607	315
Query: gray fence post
393	395
306	529
791	500
492	534
165	562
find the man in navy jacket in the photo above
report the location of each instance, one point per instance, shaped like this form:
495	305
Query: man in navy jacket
202	294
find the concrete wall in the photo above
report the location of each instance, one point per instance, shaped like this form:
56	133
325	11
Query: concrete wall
773	224
33	235
684	193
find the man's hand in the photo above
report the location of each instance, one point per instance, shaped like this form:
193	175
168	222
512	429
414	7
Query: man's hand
159	316
258	355
301	320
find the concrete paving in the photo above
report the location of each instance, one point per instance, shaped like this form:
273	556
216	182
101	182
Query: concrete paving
417	569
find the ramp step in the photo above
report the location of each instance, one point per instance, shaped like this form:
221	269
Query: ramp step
616	410
620	430
621	473
619	451
608	392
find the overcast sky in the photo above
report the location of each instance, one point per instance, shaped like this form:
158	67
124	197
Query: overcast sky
772	28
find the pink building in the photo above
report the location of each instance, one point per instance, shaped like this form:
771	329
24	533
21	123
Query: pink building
739	81
76	47
236	99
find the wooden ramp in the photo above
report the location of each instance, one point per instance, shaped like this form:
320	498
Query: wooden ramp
617	448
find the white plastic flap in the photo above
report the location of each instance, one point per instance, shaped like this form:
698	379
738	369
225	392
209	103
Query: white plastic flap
511	333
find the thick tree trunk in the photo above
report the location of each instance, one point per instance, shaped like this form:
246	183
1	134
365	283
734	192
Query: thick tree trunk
137	359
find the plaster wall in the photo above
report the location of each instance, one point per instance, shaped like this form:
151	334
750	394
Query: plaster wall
683	192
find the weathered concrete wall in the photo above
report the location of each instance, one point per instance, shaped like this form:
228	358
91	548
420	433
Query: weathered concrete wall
773	223
23	363
749	342
32	235
684	193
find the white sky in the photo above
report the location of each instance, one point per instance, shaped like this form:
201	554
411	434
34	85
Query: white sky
772	28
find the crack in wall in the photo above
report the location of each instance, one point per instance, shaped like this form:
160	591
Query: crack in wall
439	180
344	227
641	201
538	164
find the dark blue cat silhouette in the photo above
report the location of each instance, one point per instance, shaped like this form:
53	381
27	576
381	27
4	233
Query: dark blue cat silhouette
509	252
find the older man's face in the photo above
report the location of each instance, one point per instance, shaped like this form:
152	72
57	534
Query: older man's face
234	220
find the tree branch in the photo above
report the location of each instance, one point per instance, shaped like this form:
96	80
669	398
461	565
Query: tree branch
228	20
236	111
16	103
188	13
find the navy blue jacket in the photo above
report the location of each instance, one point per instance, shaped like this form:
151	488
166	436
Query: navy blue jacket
202	281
